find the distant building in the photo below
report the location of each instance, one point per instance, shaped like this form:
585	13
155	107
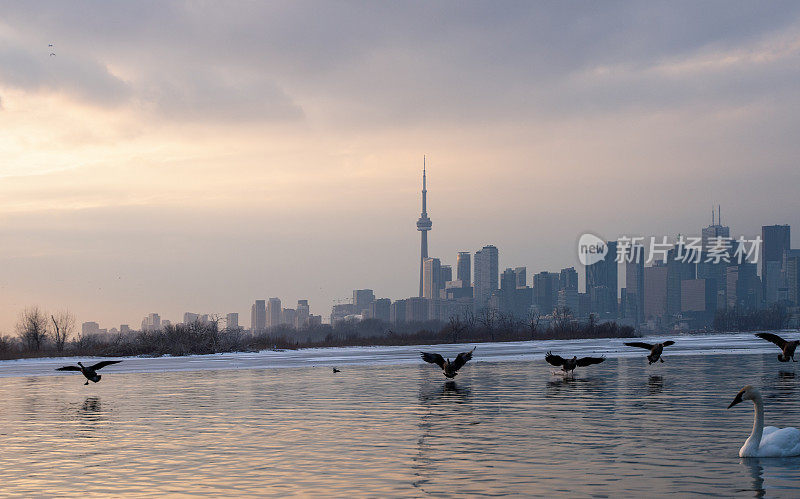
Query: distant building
232	320
152	322
274	312
634	285
289	317
380	309
522	276
124	328
680	267
90	328
397	312
486	275
464	268
568	279
189	317
655	292
303	313
775	240
545	292
417	309
791	272
362	299
568	300
710	270
342	311
446	274
603	274
431	278
258	316
743	286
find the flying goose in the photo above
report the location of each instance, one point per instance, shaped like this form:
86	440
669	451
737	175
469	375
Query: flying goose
769	441
447	366
788	347
569	365
655	350
89	371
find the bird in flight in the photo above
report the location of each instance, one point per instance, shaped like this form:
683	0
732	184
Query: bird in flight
52	54
655	350
449	367
569	365
90	372
336	370
787	347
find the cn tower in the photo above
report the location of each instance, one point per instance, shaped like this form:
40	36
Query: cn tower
423	225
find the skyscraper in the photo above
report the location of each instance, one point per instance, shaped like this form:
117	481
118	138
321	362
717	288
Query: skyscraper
361	300
634	285
273	312
423	225
776	239
232	320
486	275
603	274
258	316
522	276
464	268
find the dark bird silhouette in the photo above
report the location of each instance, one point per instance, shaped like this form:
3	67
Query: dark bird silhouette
52	54
336	370
449	367
569	365
49	44
655	350
89	371
787	347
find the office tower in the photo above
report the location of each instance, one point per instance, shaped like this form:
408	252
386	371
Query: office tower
232	320
655	291
288	316
189	317
568	279
634	285
545	292
303	313
522	276
486	275
380	309
743	286
464	268
432	273
446	275
775	240
124	328
361	300
273	312
417	309
258	317
679	268
341	311
603	274
90	328
791	273
711	270
423	226
508	285
152	322
397	312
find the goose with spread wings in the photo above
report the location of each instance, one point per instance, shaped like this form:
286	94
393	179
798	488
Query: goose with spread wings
655	349
787	347
448	367
90	372
569	365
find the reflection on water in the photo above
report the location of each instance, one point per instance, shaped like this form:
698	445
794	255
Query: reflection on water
507	428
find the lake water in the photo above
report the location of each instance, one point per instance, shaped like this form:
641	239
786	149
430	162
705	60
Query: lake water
388	425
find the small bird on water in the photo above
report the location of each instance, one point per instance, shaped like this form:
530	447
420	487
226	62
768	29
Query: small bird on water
90	372
448	367
569	365
336	370
655	350
787	347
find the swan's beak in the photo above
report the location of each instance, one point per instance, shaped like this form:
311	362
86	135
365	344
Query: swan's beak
736	400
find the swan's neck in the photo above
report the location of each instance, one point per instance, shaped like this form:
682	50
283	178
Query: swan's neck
758	425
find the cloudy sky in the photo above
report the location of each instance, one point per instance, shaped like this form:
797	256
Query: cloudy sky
195	156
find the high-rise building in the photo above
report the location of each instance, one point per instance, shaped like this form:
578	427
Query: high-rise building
603	274
232	320
486	274
679	268
273	312
380	309
508	287
464	268
522	276
423	226
711	270
361	300
289	316
655	292
446	274
431	278
545	292
258	316
791	273
189	317
743	286
152	322
568	279
775	240
634	285
397	312
303	313
90	328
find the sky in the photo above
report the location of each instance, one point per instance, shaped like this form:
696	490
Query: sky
196	156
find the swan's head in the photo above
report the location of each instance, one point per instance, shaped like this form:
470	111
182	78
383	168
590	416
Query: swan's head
746	393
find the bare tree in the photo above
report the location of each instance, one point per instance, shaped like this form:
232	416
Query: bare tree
456	327
64	324
32	328
487	317
533	323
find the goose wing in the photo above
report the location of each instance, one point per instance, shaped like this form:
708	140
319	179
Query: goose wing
462	359
639	344
668	343
103	364
554	360
774	338
588	361
69	368
433	358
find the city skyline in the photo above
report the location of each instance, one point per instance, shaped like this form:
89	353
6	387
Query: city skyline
149	168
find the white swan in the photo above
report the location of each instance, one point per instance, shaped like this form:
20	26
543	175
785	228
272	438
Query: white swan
769	441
